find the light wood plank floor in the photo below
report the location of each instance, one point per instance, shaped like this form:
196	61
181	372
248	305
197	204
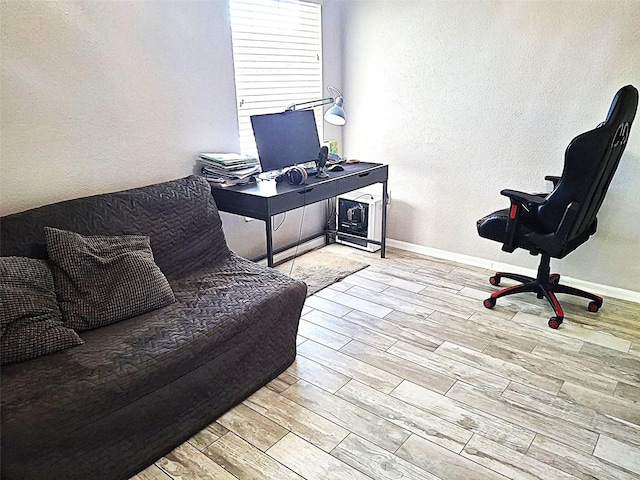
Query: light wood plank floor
402	373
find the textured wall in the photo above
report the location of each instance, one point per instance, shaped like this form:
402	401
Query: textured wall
464	99
98	96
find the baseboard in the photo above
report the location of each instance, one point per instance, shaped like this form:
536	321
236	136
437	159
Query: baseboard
605	290
295	251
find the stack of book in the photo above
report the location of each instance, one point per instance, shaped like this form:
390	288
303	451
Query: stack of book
226	169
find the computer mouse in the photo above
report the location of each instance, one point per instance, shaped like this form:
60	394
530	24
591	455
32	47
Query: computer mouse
336	168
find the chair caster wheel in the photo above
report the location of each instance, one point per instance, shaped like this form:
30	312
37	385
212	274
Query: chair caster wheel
594	306
495	281
489	302
555	322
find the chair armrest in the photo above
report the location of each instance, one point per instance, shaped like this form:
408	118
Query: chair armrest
553	179
523	198
519	200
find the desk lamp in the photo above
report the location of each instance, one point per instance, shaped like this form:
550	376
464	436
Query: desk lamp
335	116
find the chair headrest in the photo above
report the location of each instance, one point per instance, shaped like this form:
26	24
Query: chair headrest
623	107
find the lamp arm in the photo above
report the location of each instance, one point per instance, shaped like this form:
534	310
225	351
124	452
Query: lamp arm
310	104
337	94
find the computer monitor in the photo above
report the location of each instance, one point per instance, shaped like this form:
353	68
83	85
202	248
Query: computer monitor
285	139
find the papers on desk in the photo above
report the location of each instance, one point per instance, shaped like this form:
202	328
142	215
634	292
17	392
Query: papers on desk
226	160
230	182
226	169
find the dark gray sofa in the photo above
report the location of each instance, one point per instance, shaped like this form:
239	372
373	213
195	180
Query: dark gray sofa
139	387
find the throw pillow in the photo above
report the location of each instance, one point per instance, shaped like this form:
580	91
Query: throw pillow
104	279
30	319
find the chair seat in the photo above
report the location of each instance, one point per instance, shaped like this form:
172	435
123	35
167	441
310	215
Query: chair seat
494	225
527	236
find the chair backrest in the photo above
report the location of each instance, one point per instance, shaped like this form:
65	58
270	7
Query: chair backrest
590	161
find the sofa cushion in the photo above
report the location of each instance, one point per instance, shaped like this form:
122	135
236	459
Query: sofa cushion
103	279
30	319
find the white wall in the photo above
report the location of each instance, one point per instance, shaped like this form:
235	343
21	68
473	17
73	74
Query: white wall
102	96
464	99
99	96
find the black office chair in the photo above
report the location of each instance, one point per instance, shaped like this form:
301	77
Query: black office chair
555	224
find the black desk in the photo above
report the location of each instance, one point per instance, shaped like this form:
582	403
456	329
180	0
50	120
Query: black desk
264	199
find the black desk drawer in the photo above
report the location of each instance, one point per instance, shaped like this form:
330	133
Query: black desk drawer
303	196
356	181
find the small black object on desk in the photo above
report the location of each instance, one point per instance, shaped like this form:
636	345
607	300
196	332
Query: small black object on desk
322	161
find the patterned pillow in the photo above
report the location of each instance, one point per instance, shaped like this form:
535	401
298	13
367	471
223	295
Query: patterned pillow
104	279
30	319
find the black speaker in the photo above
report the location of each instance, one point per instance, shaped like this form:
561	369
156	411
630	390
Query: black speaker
293	175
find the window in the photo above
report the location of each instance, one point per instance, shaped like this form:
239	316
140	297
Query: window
277	55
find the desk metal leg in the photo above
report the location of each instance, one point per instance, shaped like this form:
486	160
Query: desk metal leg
385	200
331	225
269	242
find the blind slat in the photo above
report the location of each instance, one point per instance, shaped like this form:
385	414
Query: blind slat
277	50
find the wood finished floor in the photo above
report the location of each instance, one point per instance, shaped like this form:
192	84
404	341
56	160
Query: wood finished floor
402	373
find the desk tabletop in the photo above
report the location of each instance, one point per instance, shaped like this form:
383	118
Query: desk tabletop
271	188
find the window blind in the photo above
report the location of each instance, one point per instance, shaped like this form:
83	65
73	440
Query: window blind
277	56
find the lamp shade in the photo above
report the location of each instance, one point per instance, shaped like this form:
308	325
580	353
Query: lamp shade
335	115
